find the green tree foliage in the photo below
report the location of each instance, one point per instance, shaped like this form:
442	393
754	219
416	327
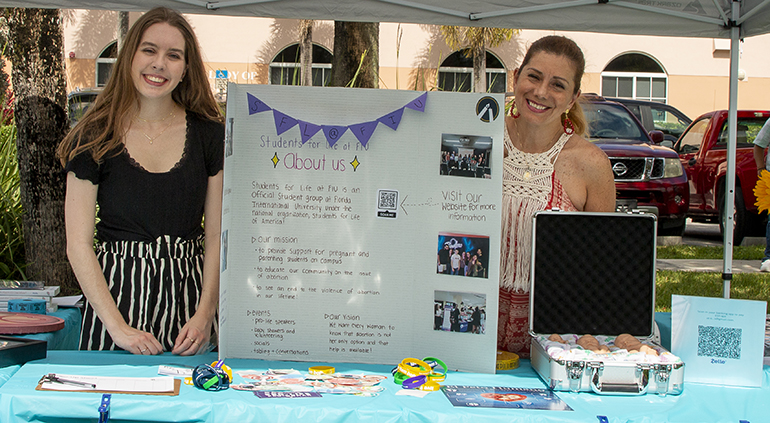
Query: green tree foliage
476	40
12	262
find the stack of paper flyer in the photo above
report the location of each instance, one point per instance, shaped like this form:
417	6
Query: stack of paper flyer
25	290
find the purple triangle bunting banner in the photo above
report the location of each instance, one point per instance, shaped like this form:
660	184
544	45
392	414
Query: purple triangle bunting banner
419	103
362	131
392	119
256	105
307	130
333	133
283	122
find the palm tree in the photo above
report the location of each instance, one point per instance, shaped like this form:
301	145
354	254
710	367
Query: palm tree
356	60
122	28
475	40
36	43
306	51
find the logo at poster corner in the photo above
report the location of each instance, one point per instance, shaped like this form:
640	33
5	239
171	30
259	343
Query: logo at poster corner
387	203
487	109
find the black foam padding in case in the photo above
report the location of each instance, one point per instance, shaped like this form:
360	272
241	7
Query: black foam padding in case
594	273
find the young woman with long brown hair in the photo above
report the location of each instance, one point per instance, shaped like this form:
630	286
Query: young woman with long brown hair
149	153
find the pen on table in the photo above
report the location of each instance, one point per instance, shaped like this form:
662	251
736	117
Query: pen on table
57	379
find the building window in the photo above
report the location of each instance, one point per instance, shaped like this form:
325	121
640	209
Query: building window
635	76
285	66
105	63
456	73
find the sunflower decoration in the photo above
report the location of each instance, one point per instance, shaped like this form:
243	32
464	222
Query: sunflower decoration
762	191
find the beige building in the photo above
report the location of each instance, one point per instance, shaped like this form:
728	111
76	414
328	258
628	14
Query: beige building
688	73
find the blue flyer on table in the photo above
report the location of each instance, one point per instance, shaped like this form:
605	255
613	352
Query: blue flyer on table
504	397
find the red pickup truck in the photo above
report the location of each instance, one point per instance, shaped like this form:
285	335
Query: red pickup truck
702	149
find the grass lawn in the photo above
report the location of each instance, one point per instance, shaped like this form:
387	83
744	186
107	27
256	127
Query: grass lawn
753	252
748	286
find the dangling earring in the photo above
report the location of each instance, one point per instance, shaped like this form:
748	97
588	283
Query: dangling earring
514	112
569	128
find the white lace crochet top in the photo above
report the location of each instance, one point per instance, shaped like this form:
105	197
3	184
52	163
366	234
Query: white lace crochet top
527	189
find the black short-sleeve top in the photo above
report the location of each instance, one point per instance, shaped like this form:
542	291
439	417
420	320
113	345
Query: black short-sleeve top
137	205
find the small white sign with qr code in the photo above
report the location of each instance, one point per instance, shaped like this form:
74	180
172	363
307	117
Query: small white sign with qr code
721	341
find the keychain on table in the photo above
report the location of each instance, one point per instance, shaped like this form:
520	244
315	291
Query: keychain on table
214	377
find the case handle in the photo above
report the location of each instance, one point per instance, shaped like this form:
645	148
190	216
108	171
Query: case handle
638	386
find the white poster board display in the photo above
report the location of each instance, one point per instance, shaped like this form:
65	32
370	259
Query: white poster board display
720	340
361	225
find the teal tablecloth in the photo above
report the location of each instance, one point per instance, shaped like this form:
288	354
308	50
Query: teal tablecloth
19	401
64	339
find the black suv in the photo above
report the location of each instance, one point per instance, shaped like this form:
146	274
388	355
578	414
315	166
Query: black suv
648	176
657	116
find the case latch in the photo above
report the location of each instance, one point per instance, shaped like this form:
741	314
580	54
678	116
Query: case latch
662	373
575	374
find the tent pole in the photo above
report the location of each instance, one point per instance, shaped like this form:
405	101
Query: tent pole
213	5
194	2
652	9
532	9
732	125
430	8
751	12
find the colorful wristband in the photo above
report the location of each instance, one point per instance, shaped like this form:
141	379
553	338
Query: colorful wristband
414	382
220	365
433	363
413	367
399	378
430	385
321	370
507	360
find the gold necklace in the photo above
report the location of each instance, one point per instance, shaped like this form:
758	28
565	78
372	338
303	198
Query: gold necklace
172	115
156	121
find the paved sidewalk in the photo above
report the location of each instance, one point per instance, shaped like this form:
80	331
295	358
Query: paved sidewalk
739	266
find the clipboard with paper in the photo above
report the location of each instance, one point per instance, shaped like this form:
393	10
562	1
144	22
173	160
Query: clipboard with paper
160	385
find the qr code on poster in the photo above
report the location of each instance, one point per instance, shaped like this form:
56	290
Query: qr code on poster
387	200
715	341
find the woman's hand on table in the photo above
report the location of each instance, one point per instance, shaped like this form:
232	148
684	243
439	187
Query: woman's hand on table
137	341
193	337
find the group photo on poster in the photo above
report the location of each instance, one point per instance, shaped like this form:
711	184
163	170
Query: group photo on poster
466	155
464	312
463	255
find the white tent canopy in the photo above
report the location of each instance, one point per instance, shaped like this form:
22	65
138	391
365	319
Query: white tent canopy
691	18
733	19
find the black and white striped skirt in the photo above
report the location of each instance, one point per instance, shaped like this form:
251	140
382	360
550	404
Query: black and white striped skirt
156	286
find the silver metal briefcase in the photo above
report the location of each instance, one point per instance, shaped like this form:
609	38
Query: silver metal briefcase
594	273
